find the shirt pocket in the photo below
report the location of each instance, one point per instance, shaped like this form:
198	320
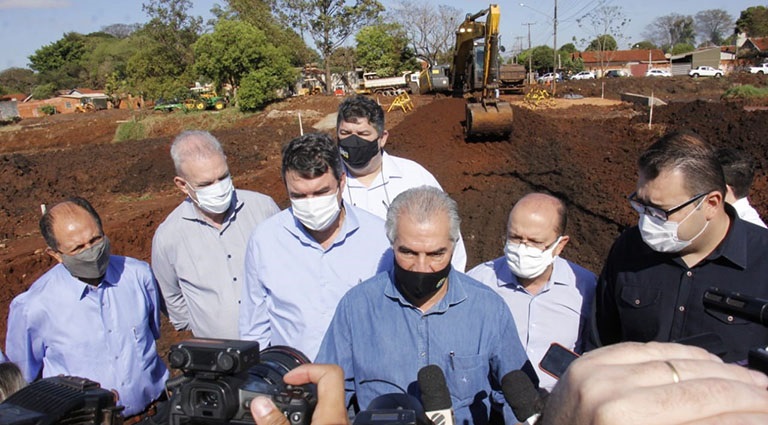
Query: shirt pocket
640	312
467	376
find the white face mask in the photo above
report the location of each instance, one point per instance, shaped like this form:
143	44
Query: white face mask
662	236
215	198
528	262
317	213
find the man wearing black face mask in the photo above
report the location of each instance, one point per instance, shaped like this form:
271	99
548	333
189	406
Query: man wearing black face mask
374	177
93	315
424	312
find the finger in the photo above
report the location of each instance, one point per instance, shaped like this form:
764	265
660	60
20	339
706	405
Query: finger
331	405
733	418
265	412
635	352
683	402
655	373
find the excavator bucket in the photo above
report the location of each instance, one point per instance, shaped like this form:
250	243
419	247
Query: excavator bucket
489	119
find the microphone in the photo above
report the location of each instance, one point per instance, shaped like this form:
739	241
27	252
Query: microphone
522	396
435	396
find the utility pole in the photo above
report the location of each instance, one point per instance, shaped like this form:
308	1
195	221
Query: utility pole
554	47
530	57
518	46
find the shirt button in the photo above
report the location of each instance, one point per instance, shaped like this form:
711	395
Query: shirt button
689	273
229	256
234	279
681	308
730	318
637	302
422	354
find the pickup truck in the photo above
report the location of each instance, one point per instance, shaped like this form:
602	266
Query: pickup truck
762	69
705	71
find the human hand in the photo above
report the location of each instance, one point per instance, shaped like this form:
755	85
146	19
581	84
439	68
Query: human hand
331	408
656	383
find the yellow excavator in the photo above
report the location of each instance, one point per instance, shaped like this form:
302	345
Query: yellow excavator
475	75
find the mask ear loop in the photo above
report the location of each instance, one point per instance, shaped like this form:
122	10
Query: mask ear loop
383	182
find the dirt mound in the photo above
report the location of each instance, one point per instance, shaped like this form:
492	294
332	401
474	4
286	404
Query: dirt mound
585	154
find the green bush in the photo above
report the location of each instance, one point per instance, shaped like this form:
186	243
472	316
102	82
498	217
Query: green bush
131	130
48	109
746	91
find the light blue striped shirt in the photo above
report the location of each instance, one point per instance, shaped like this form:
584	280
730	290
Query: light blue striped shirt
64	326
292	284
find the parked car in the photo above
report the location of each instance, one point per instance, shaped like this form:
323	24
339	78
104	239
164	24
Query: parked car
762	69
615	73
657	73
705	71
584	75
547	78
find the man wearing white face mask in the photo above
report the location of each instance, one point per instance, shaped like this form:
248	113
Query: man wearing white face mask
550	297
198	252
301	261
688	239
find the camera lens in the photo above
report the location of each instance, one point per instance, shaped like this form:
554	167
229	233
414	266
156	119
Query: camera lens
283	359
206	399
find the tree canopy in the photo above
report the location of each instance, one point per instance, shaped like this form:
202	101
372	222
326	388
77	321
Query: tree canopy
753	21
384	48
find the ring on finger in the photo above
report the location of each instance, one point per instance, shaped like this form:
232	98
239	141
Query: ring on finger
675	374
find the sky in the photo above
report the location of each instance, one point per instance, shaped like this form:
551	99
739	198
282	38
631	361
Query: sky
27	25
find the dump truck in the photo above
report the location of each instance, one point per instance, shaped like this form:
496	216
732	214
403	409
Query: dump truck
371	83
475	75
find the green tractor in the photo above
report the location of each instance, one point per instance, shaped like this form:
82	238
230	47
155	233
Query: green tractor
203	98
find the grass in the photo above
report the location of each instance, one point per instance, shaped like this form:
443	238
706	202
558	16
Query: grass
155	124
746	91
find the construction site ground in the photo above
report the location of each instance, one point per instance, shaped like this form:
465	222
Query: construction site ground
583	150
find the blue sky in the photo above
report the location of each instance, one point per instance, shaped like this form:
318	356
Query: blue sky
27	25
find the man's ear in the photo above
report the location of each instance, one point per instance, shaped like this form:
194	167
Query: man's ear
383	139
561	245
713	202
181	184
55	255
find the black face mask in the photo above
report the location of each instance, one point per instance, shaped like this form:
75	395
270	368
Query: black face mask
356	151
418	285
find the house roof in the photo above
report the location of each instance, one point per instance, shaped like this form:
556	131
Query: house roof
760	43
19	97
637	55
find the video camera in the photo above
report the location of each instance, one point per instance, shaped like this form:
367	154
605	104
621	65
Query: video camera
746	307
221	377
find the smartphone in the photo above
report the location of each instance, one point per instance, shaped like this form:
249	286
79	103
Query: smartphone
556	360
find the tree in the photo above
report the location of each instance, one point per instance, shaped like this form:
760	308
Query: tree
121	30
260	86
669	30
383	48
681	48
712	24
430	30
643	45
329	22
233	50
18	80
60	53
753	21
607	26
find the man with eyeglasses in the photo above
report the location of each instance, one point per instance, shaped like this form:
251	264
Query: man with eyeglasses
550	298
688	239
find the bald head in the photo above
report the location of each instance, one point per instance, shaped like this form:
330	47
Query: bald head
65	215
194	146
539	213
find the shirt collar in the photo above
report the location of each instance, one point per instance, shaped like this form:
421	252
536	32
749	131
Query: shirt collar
733	247
81	289
389	170
455	294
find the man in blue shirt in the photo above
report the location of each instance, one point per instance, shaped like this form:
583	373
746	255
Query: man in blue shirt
423	312
93	315
301	261
549	296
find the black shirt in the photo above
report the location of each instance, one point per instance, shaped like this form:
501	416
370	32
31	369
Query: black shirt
643	295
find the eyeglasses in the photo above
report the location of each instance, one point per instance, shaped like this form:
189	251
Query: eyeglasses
656	211
538	245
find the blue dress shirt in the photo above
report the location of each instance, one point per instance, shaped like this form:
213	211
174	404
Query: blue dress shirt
381	341
107	333
292	284
558	313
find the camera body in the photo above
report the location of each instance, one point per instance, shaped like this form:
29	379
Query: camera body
221	377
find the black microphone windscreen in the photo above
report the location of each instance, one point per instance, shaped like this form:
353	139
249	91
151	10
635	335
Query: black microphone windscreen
520	394
434	390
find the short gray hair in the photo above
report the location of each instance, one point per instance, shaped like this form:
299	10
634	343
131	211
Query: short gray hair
194	144
421	204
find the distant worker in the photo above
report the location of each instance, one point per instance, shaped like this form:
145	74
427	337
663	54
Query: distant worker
739	170
550	297
198	252
301	261
93	315
374	177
